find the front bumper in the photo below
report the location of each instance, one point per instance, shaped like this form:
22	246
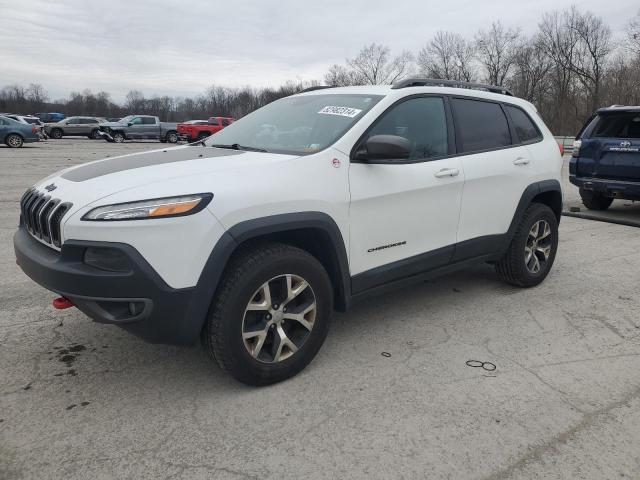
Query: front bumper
137	300
623	189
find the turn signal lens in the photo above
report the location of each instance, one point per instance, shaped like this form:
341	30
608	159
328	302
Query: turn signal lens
154	208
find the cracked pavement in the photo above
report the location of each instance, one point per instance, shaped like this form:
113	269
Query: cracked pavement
82	400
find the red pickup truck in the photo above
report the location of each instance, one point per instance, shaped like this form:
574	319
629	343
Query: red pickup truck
198	129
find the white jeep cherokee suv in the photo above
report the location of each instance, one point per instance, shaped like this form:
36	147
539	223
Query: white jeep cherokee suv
252	237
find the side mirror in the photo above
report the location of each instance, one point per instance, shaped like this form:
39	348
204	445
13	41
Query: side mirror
384	147
129	124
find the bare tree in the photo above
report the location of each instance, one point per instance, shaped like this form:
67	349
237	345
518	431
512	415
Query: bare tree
496	49
134	101
448	56
372	66
633	35
532	65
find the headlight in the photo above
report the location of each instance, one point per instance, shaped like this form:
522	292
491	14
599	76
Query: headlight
154	208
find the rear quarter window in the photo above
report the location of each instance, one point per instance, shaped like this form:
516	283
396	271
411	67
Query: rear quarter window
525	128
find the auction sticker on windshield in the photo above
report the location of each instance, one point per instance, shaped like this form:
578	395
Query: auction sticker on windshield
341	111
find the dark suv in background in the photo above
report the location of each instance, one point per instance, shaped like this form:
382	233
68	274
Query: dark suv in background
606	157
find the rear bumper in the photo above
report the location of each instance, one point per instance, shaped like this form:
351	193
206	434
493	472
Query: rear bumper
138	300
623	189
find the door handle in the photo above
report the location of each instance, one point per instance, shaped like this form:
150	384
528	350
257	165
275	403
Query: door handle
447	172
521	161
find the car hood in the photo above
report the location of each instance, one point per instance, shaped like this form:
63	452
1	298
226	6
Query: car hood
184	169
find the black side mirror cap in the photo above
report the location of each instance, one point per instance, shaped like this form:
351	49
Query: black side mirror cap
384	147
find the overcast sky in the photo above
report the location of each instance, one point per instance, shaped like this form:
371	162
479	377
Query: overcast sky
179	47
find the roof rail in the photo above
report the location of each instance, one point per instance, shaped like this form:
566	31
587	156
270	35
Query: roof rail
436	82
317	87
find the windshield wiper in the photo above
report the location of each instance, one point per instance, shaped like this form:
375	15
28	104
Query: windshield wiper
237	146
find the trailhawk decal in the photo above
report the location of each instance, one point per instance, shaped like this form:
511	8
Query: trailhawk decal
383	247
340	111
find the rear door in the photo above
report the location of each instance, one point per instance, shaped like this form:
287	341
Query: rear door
497	169
151	127
612	149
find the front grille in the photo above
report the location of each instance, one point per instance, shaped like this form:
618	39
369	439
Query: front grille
41	216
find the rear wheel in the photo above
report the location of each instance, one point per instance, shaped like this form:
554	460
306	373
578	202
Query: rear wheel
270	315
172	137
56	133
533	248
595	201
14	140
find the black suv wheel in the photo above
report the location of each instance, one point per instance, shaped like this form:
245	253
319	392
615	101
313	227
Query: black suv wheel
270	315
595	201
533	248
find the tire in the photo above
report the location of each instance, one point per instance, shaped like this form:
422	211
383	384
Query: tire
260	360
14	140
56	133
95	134
118	137
517	267
595	201
171	137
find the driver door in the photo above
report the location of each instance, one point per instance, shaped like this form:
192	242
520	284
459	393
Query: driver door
404	213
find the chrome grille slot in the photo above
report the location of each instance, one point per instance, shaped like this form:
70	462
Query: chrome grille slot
41	215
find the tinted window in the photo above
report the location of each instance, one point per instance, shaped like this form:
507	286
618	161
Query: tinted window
72	121
524	126
87	121
148	121
480	125
619	125
422	121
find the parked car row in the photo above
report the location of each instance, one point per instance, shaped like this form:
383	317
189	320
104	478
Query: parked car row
131	127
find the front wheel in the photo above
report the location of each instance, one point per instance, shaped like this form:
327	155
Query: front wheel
172	137
56	133
270	315
14	141
533	248
118	137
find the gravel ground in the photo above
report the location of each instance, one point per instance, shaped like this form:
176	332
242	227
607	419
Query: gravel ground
82	400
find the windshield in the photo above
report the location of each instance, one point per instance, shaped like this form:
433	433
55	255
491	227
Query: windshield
300	125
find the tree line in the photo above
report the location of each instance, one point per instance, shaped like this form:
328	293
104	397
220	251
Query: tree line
570	66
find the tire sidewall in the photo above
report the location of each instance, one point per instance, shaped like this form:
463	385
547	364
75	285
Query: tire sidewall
13	135
56	133
250	370
119	136
542	212
172	137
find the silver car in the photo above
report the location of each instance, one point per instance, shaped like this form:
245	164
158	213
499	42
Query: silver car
75	126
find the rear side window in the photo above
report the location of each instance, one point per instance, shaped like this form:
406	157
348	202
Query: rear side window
524	126
619	125
480	125
422	121
148	121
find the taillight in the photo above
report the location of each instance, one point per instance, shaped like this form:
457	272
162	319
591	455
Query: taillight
34	129
561	148
576	148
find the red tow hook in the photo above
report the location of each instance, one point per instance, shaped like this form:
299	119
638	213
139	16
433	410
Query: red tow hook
61	303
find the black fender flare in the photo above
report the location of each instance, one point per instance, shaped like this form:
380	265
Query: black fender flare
242	232
531	192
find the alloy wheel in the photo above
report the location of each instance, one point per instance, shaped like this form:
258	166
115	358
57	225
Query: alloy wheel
279	318
538	246
14	141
